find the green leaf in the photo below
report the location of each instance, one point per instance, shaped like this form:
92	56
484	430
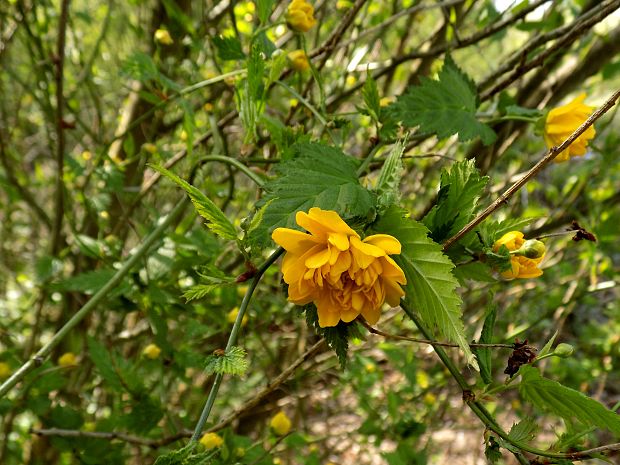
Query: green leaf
371	97
213	278
483	354
547	347
445	106
263	8
388	184
217	221
144	414
228	48
475	271
492	451
89	282
337	337
551	396
185	456
459	191
231	362
431	287
319	176
103	361
524	431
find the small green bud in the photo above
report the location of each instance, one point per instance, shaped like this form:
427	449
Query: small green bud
532	248
563	350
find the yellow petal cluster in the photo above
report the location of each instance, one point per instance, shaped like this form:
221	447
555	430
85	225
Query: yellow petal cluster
300	16
151	351
67	359
522	266
163	37
333	267
562	121
211	440
281	424
299	60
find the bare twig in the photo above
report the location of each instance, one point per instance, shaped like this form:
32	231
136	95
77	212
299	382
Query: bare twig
59	59
551	154
428	341
110	436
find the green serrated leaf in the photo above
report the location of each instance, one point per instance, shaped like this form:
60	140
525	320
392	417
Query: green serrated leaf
388	184
431	287
213	278
144	415
337	337
89	282
231	362
319	176
524	431
101	358
483	354
371	97
492	451
459	191
217	221
445	106
547	347
263	8
185	456
228	48
551	396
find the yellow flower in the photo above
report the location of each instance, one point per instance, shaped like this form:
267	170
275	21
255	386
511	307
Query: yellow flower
299	60
300	16
280	424
343	275
151	351
522	266
163	37
232	316
211	440
67	359
562	121
5	370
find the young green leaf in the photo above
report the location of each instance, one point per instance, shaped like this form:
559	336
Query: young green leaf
216	220
371	97
388	184
264	9
228	48
547	347
431	288
101	358
524	431
231	362
445	106
483	354
459	192
565	402
318	176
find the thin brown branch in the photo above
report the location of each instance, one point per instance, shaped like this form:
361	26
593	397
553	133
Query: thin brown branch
428	341
551	154
59	60
111	436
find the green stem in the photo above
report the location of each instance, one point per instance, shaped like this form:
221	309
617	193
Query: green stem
232	339
237	164
364	166
45	351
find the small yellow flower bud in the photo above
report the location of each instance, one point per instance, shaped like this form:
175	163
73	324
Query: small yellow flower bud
280	424
564	350
5	370
300	16
239	452
183	135
370	367
299	60
150	148
86	155
151	351
430	399
208	107
232	316
163	37
385	101
67	359
211	440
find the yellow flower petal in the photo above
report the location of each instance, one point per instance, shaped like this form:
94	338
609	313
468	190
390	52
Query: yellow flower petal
292	240
385	242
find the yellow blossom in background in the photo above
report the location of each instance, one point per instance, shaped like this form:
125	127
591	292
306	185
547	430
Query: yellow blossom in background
280	424
149	147
562	121
163	37
5	370
300	16
151	351
299	60
385	101
211	440
232	316
524	260
67	359
333	267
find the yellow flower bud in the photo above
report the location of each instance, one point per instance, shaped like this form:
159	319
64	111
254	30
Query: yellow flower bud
163	37
208	107
532	248
300	16
86	155
299	60
239	452
150	148
211	440
521	265
430	399
232	316
5	370
280	424
67	359
151	351
183	135
385	101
